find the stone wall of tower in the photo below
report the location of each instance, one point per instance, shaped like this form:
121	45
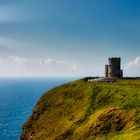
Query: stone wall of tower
106	70
114	68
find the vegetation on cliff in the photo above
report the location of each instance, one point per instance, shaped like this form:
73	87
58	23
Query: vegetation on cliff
84	111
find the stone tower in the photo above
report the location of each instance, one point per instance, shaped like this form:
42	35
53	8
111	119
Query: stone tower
113	70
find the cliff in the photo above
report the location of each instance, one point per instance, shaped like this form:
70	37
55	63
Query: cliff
84	111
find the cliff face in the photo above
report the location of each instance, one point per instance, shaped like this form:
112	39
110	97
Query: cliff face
83	111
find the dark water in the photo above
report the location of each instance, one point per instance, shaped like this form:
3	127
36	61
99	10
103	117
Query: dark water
18	96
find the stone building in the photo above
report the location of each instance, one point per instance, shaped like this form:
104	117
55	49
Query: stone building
113	69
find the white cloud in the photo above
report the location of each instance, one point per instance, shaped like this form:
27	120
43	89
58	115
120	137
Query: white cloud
134	63
7	41
132	68
10	46
19	66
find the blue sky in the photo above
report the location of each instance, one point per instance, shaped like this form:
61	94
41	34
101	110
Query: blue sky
73	37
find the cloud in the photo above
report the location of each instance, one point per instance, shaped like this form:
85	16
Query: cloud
132	68
8	42
134	63
10	46
20	66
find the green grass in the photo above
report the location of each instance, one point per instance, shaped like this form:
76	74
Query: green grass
84	111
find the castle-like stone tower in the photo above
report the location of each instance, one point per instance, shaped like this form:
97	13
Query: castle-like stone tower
113	70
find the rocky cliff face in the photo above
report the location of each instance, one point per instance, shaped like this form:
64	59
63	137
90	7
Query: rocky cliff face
83	111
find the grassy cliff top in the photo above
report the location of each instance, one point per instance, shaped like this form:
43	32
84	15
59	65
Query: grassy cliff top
81	110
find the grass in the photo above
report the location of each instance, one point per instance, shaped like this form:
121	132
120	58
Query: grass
83	110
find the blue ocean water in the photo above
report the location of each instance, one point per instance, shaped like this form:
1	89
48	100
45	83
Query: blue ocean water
18	96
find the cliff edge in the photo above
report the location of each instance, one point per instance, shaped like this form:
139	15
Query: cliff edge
81	110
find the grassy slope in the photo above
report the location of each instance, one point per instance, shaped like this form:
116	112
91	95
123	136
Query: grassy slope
82	110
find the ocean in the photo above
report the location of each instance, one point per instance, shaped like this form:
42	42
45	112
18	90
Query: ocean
18	97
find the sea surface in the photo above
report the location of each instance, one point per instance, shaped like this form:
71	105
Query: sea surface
18	97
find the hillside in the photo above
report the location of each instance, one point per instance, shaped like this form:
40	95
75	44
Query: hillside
81	110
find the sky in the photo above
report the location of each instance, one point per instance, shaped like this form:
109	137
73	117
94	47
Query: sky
68	37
